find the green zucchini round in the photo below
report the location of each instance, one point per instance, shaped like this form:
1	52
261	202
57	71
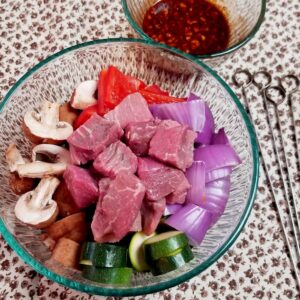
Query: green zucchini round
170	263
163	244
104	255
115	276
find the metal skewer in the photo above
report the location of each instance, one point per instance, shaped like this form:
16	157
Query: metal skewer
269	92
243	85
283	83
266	90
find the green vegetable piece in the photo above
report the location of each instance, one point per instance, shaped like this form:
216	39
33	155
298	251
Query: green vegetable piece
137	253
87	252
115	276
163	244
110	256
172	262
103	255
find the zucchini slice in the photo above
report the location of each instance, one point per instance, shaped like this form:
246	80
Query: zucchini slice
119	276
173	261
103	255
87	252
110	256
137	253
164	244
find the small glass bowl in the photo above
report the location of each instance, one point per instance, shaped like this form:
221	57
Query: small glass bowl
55	78
244	18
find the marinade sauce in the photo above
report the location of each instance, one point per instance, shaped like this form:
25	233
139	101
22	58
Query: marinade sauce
194	26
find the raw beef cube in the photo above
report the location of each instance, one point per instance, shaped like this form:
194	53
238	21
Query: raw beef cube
133	108
137	224
92	137
103	186
116	213
138	136
82	186
169	124
177	197
160	180
152	212
115	158
173	145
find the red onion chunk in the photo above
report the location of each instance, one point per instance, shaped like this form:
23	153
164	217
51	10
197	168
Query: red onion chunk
217	174
171	209
220	138
195	114
193	220
193	97
217	194
196	177
217	157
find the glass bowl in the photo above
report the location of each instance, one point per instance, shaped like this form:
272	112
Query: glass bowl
55	78
244	19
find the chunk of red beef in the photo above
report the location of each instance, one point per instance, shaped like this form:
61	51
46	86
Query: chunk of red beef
138	135
137	224
161	180
173	144
117	157
116	213
103	186
82	186
91	138
133	108
152	212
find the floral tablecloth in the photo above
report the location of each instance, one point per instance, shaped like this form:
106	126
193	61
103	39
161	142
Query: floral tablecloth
257	266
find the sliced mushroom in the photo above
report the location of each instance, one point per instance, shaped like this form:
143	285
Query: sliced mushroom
14	157
36	208
53	153
40	169
45	126
84	95
67	113
20	185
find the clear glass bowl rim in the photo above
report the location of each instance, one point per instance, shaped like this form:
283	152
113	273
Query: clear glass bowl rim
229	50
130	291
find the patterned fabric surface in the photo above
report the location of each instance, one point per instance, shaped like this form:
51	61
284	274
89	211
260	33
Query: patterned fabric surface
257	266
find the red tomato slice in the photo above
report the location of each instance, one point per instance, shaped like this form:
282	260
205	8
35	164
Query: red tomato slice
102	81
153	98
85	115
117	87
156	89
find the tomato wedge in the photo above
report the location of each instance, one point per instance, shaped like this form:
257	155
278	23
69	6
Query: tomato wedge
85	115
102	82
114	86
154	98
156	89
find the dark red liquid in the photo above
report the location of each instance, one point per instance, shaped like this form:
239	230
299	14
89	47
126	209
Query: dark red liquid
194	26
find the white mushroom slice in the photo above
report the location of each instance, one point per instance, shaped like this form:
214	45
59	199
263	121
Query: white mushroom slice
53	152
14	157
39	169
46	124
36	207
84	95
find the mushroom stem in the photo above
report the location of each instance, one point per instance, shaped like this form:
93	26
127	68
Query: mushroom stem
49	113
44	192
14	157
36	207
39	169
